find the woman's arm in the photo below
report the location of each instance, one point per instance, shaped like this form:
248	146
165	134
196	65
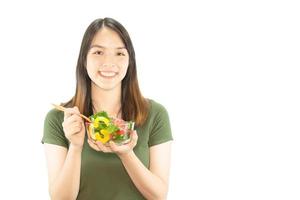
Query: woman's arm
152	182
64	164
63	171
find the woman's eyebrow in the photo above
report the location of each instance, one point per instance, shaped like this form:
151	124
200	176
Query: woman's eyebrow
103	47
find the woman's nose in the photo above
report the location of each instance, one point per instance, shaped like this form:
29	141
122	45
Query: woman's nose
108	65
108	60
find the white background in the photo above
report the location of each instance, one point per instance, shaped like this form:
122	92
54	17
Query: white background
227	71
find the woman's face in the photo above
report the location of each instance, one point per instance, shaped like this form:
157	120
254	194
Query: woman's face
107	59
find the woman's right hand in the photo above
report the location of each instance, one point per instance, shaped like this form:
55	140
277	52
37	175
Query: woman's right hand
73	127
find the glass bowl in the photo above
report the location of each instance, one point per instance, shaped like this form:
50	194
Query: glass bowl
116	130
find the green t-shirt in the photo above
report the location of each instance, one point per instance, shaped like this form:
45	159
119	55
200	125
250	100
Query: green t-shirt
102	174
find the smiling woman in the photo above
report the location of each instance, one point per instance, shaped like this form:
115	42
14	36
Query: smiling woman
81	168
107	58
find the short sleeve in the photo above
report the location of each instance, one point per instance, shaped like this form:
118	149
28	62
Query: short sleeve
53	130
161	129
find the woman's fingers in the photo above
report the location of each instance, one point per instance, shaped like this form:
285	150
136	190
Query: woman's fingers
76	128
73	118
98	146
72	125
120	149
115	148
70	111
93	145
133	139
103	147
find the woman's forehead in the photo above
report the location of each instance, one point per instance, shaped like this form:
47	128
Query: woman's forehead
107	38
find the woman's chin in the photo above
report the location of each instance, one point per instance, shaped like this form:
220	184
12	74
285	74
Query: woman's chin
107	86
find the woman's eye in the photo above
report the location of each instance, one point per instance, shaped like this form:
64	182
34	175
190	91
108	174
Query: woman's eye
121	54
98	53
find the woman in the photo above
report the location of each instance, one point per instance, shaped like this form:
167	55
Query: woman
80	168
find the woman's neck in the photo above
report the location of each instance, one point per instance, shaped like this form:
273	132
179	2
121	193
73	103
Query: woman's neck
107	100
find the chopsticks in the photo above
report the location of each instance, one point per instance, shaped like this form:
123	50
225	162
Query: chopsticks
61	108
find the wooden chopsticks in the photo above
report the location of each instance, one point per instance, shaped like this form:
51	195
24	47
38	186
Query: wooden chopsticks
61	108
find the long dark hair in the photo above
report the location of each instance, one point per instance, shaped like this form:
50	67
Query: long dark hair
134	106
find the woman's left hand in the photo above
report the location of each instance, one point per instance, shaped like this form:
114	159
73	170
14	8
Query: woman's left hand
112	147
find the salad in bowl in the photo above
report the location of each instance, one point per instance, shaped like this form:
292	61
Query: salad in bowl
104	128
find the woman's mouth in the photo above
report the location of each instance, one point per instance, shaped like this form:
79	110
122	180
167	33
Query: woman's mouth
107	74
